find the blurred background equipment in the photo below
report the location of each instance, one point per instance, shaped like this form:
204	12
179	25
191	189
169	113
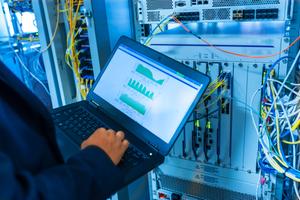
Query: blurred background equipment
242	141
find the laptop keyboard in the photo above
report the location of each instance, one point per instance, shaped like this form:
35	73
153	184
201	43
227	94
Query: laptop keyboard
79	124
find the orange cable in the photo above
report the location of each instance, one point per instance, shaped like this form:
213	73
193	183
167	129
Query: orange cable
233	53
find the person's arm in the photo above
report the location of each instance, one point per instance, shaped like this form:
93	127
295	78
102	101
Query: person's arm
91	174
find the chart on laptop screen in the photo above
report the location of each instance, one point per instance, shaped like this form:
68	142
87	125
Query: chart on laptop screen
146	92
141	89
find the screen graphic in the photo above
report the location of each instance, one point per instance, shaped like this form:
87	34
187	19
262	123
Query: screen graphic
153	95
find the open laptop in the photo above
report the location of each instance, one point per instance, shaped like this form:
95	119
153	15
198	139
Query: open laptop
143	93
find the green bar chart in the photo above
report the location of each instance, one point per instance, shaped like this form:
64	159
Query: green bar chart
136	85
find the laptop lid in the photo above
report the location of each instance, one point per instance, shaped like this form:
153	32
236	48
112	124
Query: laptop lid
148	93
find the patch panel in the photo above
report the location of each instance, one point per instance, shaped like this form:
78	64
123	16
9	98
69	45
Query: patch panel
252	14
153	11
205	133
78	53
188	16
243	14
267	13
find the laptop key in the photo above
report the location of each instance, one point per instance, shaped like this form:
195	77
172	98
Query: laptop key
84	136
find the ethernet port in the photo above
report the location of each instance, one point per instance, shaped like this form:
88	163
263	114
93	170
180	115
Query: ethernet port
180	4
205	2
248	14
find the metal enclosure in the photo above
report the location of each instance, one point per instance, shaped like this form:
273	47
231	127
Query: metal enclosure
216	155
219	161
60	77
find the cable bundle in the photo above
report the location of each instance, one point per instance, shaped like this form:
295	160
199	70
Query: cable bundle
78	50
279	121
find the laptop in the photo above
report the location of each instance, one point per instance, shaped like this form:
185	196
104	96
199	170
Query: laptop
146	94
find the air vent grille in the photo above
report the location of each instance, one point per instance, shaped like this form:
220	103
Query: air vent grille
200	190
153	16
159	4
216	14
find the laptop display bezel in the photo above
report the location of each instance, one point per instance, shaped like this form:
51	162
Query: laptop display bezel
131	125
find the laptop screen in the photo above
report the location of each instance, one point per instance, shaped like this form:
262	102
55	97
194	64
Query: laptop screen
153	95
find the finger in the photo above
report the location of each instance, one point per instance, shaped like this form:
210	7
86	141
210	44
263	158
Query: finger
111	131
100	130
120	135
111	134
83	145
125	145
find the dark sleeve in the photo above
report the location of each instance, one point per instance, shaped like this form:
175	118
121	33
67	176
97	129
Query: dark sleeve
88	175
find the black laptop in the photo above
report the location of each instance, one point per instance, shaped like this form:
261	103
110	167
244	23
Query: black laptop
146	94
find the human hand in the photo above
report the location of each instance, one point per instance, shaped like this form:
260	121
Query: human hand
111	142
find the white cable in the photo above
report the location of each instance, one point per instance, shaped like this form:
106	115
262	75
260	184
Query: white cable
293	140
22	63
286	87
31	74
292	114
295	84
298	154
258	184
251	104
55	29
282	86
263	137
264	141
